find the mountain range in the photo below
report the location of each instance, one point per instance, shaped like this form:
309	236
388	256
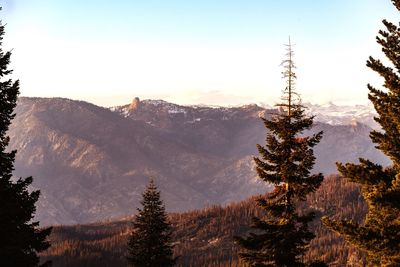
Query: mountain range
91	163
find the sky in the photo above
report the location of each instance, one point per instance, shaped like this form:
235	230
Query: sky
215	52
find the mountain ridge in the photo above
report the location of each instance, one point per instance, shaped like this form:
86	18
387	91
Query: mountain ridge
92	163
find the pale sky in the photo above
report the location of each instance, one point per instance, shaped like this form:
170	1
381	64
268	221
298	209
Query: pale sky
219	52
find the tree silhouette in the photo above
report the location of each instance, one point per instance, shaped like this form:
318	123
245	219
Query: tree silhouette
380	234
150	242
282	235
20	238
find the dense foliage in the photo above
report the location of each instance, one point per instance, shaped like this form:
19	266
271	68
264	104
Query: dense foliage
380	234
20	238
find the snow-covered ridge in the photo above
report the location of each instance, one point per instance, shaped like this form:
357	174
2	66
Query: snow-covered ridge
327	113
343	114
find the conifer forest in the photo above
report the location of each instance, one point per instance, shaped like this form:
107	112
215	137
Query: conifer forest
215	180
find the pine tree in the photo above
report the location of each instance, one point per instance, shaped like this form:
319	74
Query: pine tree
379	235
20	239
150	242
282	235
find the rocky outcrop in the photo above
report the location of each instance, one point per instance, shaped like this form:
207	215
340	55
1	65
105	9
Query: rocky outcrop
135	104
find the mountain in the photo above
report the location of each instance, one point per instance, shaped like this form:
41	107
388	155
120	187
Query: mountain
235	131
343	114
92	163
205	237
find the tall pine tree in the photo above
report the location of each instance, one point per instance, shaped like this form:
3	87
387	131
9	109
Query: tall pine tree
150	242
379	235
282	236
20	238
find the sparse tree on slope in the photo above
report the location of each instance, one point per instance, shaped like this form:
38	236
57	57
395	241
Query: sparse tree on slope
150	241
379	236
20	238
282	236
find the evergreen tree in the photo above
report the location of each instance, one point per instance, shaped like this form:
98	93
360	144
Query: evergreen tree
150	241
282	235
20	239
379	235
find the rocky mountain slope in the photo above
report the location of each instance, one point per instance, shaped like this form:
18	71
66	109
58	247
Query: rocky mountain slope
92	163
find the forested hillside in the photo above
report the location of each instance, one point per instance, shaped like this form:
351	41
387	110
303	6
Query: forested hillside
204	237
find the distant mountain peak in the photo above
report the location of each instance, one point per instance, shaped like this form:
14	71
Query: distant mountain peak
135	104
329	112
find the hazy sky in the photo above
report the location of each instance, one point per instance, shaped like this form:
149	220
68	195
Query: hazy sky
210	51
